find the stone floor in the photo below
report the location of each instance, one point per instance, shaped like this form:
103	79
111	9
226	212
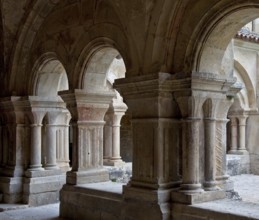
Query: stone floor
247	204
46	212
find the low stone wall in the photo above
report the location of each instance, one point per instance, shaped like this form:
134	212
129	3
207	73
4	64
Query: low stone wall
238	164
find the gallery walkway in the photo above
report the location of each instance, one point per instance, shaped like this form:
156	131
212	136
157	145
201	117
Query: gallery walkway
247	199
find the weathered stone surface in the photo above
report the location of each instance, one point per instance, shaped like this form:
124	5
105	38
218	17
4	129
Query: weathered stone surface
67	68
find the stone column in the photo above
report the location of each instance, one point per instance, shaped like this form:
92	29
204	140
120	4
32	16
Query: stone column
116	110
221	149
233	125
107	144
87	111
66	147
210	164
35	150
191	109
62	140
51	161
242	134
116	138
191	178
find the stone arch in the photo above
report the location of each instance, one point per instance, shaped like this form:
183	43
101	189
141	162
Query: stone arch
209	50
103	66
49	76
247	95
97	75
89	50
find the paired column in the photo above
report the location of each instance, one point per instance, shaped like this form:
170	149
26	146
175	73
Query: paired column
112	133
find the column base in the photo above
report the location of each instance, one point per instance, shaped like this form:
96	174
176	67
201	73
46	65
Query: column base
87	176
224	183
35	168
51	167
205	196
190	188
211	186
238	152
115	163
64	166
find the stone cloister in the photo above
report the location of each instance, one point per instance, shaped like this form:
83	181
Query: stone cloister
183	73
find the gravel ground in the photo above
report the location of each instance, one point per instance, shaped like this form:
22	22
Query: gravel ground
247	186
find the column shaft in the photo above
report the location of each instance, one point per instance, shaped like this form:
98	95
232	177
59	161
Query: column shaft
242	135
35	157
210	172
191	145
116	143
233	125
221	158
66	150
51	148
107	142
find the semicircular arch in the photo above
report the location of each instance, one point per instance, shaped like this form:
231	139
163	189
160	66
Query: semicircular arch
249	87
49	76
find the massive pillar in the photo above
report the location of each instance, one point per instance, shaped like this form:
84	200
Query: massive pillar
87	111
156	144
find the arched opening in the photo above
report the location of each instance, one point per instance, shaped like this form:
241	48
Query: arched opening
227	58
51	77
104	67
209	56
